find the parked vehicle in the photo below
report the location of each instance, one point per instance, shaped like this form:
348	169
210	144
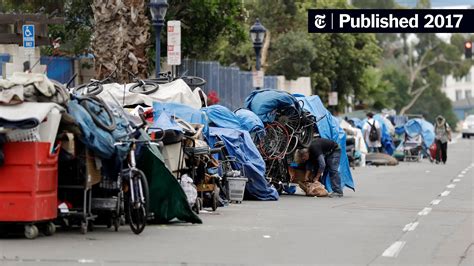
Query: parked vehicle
468	127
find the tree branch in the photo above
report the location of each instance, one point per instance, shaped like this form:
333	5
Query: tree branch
414	99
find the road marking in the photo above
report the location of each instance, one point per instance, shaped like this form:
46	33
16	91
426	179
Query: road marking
85	261
425	211
445	193
394	249
410	227
451	186
435	202
266	236
463	172
456	180
460	175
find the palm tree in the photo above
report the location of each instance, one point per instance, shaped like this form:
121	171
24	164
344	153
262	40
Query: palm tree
121	37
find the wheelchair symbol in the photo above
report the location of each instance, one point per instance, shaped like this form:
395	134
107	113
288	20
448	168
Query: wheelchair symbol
28	32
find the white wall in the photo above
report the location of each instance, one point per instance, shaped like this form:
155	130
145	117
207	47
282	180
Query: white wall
301	85
17	57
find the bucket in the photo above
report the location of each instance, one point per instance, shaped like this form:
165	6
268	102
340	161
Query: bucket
236	188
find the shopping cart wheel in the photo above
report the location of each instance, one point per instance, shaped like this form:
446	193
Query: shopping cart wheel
116	223
84	226
214	201
31	231
50	229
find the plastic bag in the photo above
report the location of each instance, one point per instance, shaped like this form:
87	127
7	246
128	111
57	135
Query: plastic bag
189	188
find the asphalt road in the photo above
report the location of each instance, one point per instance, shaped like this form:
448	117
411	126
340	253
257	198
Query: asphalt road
414	213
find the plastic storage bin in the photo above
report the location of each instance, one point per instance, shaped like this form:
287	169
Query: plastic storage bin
236	188
28	186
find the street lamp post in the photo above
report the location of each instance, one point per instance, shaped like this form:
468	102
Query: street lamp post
257	34
158	10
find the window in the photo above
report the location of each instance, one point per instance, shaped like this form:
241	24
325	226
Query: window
468	94
468	77
458	95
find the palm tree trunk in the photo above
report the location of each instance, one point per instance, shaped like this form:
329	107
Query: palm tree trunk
121	37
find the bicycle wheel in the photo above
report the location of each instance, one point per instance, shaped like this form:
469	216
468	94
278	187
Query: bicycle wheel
95	107
193	81
136	211
144	87
290	118
306	136
275	142
307	131
93	88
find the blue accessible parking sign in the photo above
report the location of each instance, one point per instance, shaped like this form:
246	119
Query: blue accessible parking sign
28	36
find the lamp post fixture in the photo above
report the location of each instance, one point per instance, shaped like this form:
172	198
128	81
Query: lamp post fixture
257	35
158	10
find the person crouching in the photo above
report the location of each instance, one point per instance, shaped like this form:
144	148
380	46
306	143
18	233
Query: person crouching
322	154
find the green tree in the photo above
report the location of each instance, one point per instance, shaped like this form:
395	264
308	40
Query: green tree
204	23
292	54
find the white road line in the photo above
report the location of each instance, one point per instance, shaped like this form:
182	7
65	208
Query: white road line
451	186
456	180
445	193
394	249
460	175
410	227
425	211
85	261
266	236
435	202
463	172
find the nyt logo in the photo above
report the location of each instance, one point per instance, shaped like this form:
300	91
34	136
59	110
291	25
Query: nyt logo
319	21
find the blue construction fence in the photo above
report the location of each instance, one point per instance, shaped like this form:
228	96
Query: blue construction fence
230	83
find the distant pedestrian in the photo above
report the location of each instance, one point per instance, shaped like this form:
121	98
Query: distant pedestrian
443	135
322	154
372	134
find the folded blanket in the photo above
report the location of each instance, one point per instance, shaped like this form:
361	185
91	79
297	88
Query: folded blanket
26	115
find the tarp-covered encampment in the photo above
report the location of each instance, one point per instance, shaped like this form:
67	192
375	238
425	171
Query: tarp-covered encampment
239	144
243	147
265	103
249	120
221	116
329	128
418	126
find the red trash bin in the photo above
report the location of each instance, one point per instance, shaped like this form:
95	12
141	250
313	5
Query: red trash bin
29	186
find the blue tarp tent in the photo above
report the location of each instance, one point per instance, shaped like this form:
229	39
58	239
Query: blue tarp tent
221	116
329	128
182	111
265	103
417	126
357	122
239	144
249	120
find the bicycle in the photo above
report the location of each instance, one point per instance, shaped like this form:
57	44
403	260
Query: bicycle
133	183
94	87
143	86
